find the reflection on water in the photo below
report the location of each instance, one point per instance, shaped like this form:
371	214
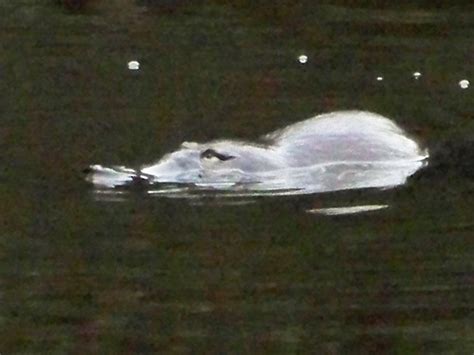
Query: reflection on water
464	84
313	180
337	211
303	58
257	274
134	65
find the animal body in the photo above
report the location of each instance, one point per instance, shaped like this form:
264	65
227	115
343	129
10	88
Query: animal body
339	150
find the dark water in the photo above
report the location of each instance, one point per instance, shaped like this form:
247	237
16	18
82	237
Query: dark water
147	274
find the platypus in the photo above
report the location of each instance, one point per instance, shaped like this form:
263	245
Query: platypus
333	151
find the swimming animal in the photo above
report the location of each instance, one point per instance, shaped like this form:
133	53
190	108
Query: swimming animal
333	151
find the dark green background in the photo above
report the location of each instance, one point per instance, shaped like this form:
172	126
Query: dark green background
81	275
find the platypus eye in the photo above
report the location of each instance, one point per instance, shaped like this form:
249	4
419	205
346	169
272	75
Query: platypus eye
211	153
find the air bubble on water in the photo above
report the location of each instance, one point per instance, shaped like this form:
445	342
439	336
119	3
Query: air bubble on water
133	65
379	78
464	84
416	75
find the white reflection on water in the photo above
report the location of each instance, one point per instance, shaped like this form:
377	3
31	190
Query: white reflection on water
317	179
133	65
339	211
303	58
464	84
222	202
417	75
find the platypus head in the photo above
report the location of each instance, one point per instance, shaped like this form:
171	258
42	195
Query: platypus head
220	161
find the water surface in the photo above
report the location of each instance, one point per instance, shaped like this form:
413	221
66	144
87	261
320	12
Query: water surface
140	274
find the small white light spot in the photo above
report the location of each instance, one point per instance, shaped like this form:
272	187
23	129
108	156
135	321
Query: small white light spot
417	75
133	65
379	78
303	58
464	84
